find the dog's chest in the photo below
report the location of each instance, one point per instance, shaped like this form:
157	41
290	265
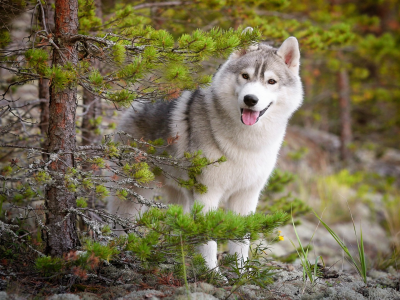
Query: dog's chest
242	171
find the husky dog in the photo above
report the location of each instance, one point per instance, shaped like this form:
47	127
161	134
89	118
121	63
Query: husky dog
242	115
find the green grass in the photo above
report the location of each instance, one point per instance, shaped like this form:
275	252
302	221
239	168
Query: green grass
360	262
310	271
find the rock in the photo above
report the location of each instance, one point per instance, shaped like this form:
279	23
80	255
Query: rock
324	139
64	297
145	294
3	283
118	291
180	291
88	296
220	293
248	291
125	275
346	293
288	290
287	276
205	287
197	287
4	296
197	296
391	281
374	274
167	289
383	294
375	240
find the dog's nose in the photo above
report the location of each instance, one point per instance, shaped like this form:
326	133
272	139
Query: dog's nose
250	100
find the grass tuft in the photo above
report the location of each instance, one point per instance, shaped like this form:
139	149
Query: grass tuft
360	262
309	270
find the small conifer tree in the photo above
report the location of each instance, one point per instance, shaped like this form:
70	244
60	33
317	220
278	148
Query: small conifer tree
118	61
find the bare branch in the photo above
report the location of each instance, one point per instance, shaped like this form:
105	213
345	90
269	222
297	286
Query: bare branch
43	16
160	4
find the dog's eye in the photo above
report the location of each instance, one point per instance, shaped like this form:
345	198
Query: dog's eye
271	81
245	76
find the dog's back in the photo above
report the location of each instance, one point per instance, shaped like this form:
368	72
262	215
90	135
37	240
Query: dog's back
149	121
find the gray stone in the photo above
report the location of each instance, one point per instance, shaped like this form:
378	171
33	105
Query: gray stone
64	297
287	276
180	291
145	294
3	283
202	287
392	271
122	275
197	296
293	289
248	291
118	291
88	296
383	294
220	293
388	280
3	296
374	274
345	293
167	289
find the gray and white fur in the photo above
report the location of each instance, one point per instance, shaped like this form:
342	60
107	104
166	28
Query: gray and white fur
242	115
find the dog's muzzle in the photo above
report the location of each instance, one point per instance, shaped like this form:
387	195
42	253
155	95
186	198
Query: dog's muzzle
251	117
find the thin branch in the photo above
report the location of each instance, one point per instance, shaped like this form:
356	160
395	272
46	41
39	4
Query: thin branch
43	16
160	4
21	147
81	37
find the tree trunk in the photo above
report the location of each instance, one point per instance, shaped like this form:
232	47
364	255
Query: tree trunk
62	235
345	113
44	87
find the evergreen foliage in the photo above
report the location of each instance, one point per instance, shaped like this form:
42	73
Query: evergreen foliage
161	236
162	230
48	265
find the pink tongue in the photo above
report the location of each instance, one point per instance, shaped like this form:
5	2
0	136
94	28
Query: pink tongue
249	117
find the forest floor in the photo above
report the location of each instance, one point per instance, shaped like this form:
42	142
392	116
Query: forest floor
310	155
122	281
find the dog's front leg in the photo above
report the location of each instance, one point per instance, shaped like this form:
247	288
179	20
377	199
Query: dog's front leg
210	200
243	203
209	252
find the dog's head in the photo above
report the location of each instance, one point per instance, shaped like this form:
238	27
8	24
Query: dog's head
262	79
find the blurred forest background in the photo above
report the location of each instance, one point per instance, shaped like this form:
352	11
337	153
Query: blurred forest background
342	147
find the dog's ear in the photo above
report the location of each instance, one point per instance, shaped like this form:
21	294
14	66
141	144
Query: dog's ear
290	53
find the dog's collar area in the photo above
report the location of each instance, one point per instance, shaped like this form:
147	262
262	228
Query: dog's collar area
261	113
